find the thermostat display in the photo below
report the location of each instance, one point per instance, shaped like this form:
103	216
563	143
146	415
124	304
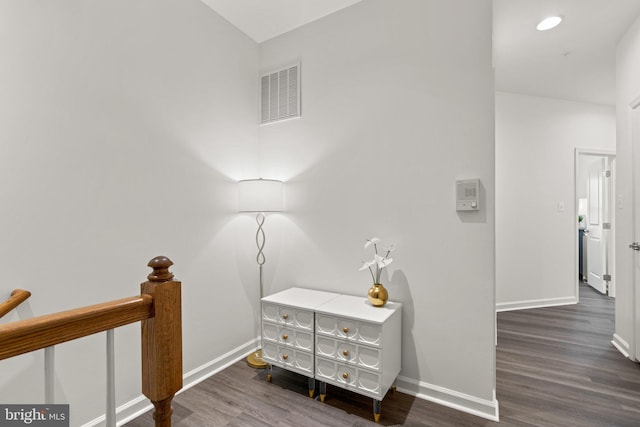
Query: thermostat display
468	195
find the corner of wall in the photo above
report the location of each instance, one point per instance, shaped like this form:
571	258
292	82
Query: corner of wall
488	409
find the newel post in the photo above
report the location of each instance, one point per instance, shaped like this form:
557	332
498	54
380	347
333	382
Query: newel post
162	341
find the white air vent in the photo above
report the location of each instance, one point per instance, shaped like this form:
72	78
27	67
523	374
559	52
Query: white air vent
280	94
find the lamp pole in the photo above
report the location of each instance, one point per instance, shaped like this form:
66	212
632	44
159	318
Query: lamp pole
260	241
260	196
255	359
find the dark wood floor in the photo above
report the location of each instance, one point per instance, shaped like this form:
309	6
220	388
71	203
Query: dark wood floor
555	367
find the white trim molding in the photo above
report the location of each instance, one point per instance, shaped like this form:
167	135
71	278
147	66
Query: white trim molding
621	345
138	406
535	303
488	409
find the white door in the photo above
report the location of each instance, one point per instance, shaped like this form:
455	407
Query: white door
636	220
596	245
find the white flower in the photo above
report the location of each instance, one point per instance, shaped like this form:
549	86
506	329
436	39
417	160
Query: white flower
380	262
371	241
366	265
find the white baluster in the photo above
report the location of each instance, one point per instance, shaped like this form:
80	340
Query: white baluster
111	381
49	374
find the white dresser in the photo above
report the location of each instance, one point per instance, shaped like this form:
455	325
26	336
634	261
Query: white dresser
288	324
337	339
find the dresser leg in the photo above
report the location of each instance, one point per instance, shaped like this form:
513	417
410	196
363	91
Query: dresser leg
323	390
377	408
269	370
312	386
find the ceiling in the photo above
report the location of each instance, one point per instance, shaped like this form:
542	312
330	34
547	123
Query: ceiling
574	61
264	19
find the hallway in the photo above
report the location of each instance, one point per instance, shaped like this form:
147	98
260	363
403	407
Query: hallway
557	366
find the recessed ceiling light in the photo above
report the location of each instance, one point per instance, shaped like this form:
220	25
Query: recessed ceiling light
549	23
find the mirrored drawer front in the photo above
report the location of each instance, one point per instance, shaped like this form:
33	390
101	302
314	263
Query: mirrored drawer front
287	336
293	317
288	358
365	333
348	376
350	353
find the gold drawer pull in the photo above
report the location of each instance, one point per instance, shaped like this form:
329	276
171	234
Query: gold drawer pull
285	336
345	329
285	356
345	352
345	375
285	316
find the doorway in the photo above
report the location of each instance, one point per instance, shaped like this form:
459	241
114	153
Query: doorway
595	186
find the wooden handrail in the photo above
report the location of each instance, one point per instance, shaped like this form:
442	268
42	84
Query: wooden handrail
18	296
159	309
44	331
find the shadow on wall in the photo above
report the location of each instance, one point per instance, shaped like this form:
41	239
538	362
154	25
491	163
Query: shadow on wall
400	291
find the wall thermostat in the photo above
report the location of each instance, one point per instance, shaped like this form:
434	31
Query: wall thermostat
468	195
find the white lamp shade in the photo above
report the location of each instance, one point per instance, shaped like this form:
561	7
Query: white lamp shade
260	195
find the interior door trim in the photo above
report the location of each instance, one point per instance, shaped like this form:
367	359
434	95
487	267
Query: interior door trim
577	153
635	291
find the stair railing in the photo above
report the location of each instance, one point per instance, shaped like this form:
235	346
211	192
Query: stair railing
158	307
18	296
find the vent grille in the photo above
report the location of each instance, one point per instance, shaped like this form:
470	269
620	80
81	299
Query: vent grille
280	94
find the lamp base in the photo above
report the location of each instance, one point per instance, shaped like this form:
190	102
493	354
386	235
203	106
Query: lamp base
255	360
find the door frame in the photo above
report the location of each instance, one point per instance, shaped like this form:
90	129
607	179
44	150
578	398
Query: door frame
612	155
634	348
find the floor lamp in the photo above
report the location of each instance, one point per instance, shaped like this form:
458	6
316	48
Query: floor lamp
259	196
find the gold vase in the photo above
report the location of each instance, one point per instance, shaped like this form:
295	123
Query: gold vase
378	295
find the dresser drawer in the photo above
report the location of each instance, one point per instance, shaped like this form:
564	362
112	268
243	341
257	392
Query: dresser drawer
350	353
289	316
350	377
361	332
289	358
286	336
370	382
336	373
335	349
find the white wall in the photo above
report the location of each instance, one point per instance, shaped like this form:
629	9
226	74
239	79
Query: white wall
628	89
397	103
536	140
123	126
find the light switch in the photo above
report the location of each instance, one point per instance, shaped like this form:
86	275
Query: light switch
560	206
619	201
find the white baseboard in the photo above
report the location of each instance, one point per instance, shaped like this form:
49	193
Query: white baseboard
203	372
138	406
487	409
535	303
621	345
